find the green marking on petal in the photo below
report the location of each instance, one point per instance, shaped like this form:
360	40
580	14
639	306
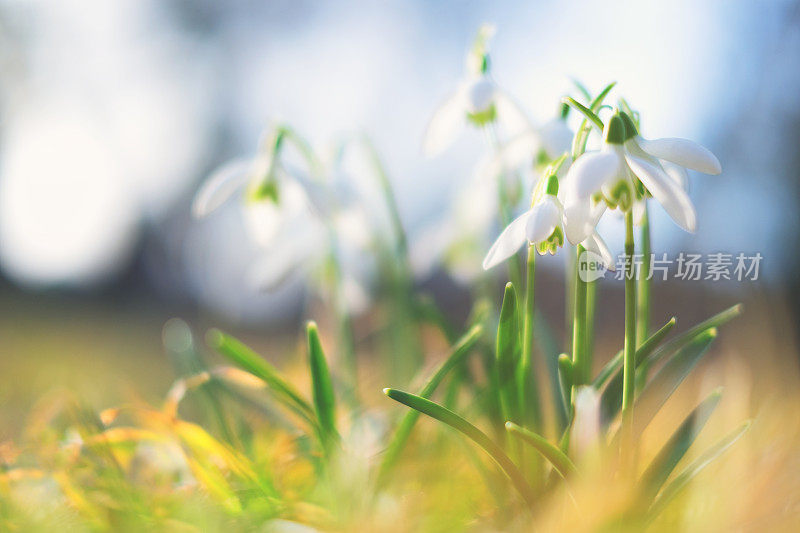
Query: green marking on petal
615	130
630	126
483	118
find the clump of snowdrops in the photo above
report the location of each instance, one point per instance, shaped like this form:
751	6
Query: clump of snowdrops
309	447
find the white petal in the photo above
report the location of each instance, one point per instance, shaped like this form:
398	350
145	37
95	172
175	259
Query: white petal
677	173
479	94
447	122
510	114
674	199
543	219
280	265
356	295
683	152
222	183
595	243
507	244
590	171
586	427
556	138
581	217
517	152
318	196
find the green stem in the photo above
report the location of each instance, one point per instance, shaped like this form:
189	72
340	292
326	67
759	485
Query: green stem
527	386
629	348
591	306
643	294
579	359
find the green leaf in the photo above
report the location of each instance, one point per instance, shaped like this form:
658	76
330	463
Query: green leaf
403	431
668	378
565	372
556	457
681	340
611	398
250	361
480	438
585	111
676	447
651	353
322	388
690	472
598	100
507	354
646	348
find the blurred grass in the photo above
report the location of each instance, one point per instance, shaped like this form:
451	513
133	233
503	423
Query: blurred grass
110	355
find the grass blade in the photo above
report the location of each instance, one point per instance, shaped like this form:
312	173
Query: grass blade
675	448
690	472
582	89
403	431
480	438
664	383
583	110
556	457
598	100
687	336
507	354
249	360
322	388
646	348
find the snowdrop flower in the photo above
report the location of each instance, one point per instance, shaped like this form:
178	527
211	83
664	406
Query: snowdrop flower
296	221
478	100
626	170
538	146
273	193
542	226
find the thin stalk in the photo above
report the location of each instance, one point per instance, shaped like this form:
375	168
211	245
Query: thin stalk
591	306
390	200
526	380
643	294
629	348
579	356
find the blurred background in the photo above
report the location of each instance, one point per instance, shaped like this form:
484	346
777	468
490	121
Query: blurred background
112	112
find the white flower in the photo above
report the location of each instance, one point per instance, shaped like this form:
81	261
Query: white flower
296	221
273	193
477	100
542	144
614	176
542	226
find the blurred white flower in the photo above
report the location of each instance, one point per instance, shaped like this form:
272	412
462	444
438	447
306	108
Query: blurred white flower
298	221
586	432
614	175
537	146
477	100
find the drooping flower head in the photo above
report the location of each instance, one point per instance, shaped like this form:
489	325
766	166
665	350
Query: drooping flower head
477	101
626	171
542	227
